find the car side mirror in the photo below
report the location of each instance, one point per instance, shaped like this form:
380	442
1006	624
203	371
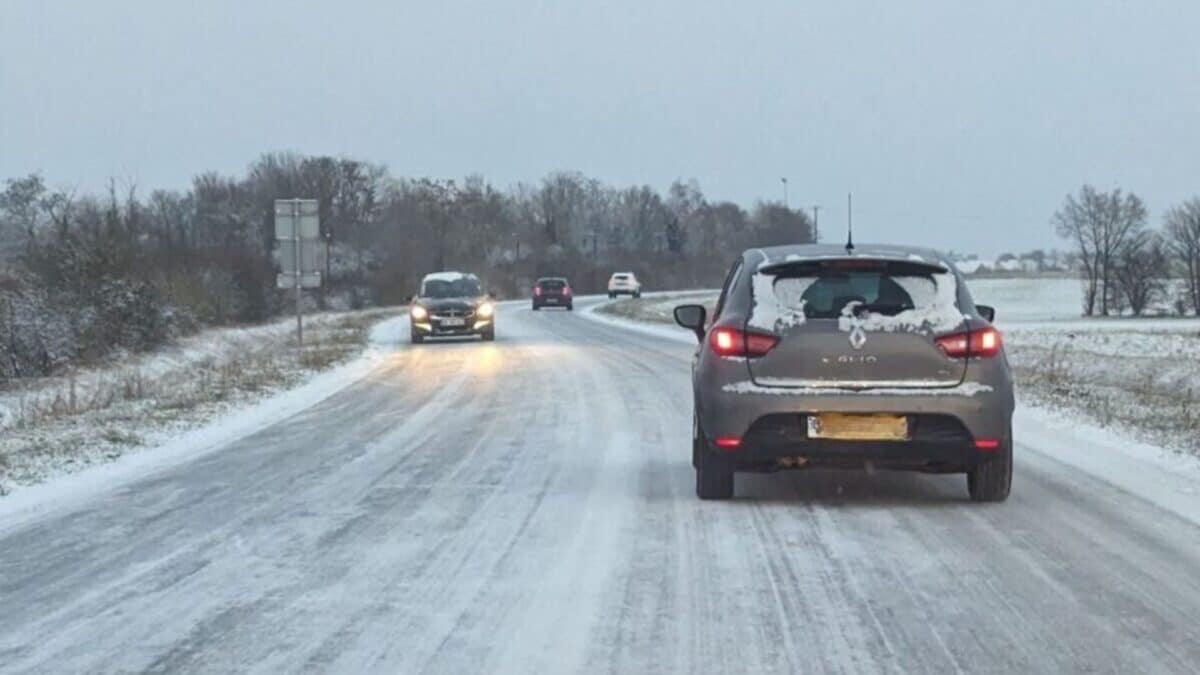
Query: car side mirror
692	317
987	311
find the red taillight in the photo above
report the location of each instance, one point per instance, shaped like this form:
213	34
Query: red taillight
537	290
984	342
728	442
987	443
566	290
728	341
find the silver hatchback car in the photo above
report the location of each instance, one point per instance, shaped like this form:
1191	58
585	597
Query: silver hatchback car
876	356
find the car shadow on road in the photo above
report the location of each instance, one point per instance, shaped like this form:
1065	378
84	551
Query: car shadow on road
821	486
850	487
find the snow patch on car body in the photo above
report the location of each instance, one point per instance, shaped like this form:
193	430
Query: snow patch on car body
865	388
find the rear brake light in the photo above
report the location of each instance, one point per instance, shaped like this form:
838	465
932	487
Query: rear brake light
728	442
566	290
988	443
728	341
984	342
537	290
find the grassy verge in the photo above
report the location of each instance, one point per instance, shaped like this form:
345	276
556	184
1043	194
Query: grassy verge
1144	382
63	424
657	309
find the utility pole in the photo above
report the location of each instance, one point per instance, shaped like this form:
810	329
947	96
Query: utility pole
785	199
816	230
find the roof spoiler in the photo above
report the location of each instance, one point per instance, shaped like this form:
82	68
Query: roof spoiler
861	262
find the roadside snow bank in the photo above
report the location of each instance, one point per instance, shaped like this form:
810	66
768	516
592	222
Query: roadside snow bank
29	503
61	426
1170	480
653	311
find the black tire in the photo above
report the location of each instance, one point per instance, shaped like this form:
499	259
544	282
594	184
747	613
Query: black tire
570	308
416	338
535	307
991	481
612	296
488	335
637	294
714	474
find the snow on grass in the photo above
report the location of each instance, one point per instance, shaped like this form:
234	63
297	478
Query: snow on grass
656	308
60	425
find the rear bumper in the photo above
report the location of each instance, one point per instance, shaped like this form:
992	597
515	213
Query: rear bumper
552	301
937	443
772	424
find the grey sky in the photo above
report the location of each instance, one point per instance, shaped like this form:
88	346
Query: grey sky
955	125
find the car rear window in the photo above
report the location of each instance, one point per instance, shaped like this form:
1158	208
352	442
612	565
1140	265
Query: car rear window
883	296
621	277
552	284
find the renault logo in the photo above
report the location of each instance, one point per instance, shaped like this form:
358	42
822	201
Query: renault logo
857	337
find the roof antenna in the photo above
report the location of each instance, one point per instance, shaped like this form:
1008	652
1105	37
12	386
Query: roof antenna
849	224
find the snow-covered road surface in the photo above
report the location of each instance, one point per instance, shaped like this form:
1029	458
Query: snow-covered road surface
527	506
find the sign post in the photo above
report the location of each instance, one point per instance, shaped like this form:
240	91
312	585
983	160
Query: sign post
297	229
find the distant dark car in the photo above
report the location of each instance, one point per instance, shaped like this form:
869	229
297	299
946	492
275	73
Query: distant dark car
450	304
820	357
552	292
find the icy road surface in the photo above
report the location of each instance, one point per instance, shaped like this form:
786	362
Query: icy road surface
527	506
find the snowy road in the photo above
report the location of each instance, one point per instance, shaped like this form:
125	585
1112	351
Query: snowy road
527	506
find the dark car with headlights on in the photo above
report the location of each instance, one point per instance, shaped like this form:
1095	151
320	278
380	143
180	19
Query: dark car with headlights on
452	304
869	357
552	292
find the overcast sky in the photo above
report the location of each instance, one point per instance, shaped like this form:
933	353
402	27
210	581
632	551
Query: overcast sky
954	125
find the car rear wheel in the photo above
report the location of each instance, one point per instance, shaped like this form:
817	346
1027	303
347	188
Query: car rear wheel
637	294
991	481
570	308
714	475
535	307
611	295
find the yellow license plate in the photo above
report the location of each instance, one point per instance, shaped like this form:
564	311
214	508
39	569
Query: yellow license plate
858	427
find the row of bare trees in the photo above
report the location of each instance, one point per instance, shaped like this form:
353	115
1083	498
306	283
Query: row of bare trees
1126	265
83	275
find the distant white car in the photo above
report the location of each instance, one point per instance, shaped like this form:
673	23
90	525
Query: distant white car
624	283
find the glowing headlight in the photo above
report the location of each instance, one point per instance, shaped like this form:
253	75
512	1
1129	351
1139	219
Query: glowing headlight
419	313
486	309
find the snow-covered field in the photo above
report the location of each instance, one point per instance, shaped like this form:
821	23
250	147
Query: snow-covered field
57	425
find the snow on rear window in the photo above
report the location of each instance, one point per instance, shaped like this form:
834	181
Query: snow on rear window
870	300
934	308
778	303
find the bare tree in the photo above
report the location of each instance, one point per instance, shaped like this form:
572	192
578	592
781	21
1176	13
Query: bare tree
23	208
1183	236
1101	225
1139	271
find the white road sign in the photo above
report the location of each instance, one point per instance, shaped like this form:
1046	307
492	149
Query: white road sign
293	214
312	255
